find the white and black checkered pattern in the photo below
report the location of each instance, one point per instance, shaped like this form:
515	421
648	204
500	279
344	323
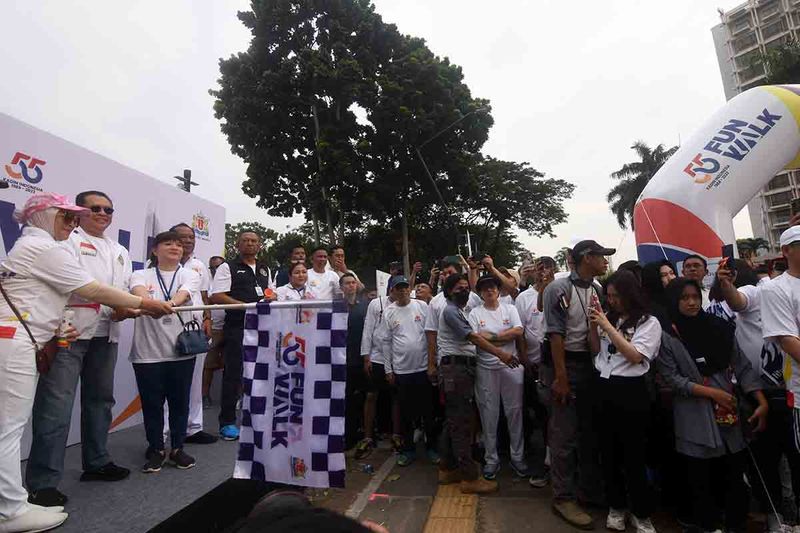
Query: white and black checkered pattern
320	444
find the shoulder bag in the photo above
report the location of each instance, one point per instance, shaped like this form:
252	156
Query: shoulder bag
45	354
192	340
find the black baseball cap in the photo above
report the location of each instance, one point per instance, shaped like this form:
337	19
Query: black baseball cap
485	280
394	281
584	248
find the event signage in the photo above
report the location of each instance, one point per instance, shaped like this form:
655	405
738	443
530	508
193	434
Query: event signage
293	404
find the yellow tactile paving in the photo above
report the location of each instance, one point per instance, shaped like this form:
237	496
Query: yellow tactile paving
452	511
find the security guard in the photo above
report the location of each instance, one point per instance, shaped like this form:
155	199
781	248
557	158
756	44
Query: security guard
241	280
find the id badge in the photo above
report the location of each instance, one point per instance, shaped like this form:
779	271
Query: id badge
259	292
167	320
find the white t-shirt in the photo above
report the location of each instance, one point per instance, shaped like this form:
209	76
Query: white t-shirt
374	338
646	338
106	262
289	293
154	338
407	346
439	302
507	299
533	322
780	316
193	263
38	275
764	355
483	319
323	286
217	315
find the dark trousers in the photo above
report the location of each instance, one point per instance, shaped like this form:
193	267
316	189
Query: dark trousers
355	395
231	374
625	408
717	485
458	384
415	395
170	381
768	447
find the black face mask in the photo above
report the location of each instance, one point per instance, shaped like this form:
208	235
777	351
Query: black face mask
461	298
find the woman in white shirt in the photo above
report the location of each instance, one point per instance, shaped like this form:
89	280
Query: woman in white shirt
296	289
38	276
625	342
161	373
500	324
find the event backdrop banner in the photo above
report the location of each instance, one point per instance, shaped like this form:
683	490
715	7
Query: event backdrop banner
35	161
689	205
293	408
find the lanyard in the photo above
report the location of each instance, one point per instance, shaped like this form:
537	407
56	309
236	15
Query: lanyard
167	292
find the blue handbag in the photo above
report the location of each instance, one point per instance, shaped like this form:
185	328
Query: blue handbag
192	340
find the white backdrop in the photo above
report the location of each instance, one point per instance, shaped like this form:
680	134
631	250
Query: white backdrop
34	160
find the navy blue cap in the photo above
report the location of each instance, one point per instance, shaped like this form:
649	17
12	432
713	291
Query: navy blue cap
394	281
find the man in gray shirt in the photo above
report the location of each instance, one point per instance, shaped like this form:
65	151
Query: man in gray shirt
456	359
569	370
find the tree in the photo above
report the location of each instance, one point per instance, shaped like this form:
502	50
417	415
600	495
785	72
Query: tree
561	258
782	63
633	178
749	248
232	232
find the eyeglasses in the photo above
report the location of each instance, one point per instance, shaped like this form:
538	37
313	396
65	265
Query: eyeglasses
98	208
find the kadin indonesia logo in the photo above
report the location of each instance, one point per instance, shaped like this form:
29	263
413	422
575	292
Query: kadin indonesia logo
299	468
200	225
25	172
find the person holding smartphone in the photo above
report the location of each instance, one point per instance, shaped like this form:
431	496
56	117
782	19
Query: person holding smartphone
624	343
699	360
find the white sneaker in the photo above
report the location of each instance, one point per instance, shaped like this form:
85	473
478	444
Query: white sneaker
53	509
547	456
642	525
615	520
32	521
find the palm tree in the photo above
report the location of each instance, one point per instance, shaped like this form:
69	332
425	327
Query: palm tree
633	178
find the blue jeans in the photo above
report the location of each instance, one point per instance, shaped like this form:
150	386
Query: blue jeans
92	361
170	381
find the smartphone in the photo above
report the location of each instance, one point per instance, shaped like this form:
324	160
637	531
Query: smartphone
795	206
727	258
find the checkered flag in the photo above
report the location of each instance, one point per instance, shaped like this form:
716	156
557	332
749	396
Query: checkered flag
293	403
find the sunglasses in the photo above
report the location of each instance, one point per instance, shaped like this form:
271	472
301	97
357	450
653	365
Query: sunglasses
98	208
70	218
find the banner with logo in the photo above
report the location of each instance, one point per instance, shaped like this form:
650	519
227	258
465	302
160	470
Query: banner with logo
36	161
689	205
293	405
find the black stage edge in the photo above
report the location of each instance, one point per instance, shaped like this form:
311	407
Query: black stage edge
222	509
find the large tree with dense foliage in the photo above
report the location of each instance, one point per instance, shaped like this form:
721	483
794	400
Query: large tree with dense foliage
782	63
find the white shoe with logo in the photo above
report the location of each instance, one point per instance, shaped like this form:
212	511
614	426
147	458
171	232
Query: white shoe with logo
615	520
32	521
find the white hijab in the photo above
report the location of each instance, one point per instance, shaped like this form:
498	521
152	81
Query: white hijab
44	220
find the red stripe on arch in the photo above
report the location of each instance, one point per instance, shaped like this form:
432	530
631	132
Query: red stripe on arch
676	226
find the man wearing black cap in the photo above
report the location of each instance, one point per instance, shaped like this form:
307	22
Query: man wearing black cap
570	371
407	366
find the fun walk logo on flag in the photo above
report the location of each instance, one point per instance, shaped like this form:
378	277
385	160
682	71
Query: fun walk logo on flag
293	403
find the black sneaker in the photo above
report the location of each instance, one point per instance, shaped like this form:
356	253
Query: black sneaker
181	459
109	472
50	497
155	460
201	437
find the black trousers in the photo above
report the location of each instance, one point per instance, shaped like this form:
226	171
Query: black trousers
768	447
625	413
231	375
415	396
717	485
170	381
355	395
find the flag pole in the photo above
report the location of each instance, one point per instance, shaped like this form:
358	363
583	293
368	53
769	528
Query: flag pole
291	304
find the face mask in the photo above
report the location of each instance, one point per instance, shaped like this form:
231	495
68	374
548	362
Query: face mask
461	298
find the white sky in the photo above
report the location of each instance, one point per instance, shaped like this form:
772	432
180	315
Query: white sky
572	85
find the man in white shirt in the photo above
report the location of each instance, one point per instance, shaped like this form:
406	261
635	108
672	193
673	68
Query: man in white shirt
696	267
214	360
322	283
92	359
194	427
407	367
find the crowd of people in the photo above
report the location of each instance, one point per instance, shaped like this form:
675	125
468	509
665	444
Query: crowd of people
633	391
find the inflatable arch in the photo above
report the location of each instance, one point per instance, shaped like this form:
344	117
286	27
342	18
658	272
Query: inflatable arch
689	205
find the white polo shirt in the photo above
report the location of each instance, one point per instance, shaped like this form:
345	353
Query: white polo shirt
107	262
532	321
324	286
374	338
289	293
407	346
483	319
646	338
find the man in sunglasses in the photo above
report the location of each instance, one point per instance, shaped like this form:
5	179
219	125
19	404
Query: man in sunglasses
92	359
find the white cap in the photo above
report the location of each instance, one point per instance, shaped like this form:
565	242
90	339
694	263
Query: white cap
790	235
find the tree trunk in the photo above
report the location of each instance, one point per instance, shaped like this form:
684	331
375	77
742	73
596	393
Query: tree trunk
322	188
315	222
406	258
497	233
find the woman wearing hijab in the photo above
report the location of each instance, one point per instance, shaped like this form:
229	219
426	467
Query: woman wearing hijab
699	359
37	278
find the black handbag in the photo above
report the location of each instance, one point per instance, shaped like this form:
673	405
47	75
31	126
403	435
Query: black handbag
192	340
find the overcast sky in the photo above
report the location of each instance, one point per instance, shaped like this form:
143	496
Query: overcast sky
572	85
